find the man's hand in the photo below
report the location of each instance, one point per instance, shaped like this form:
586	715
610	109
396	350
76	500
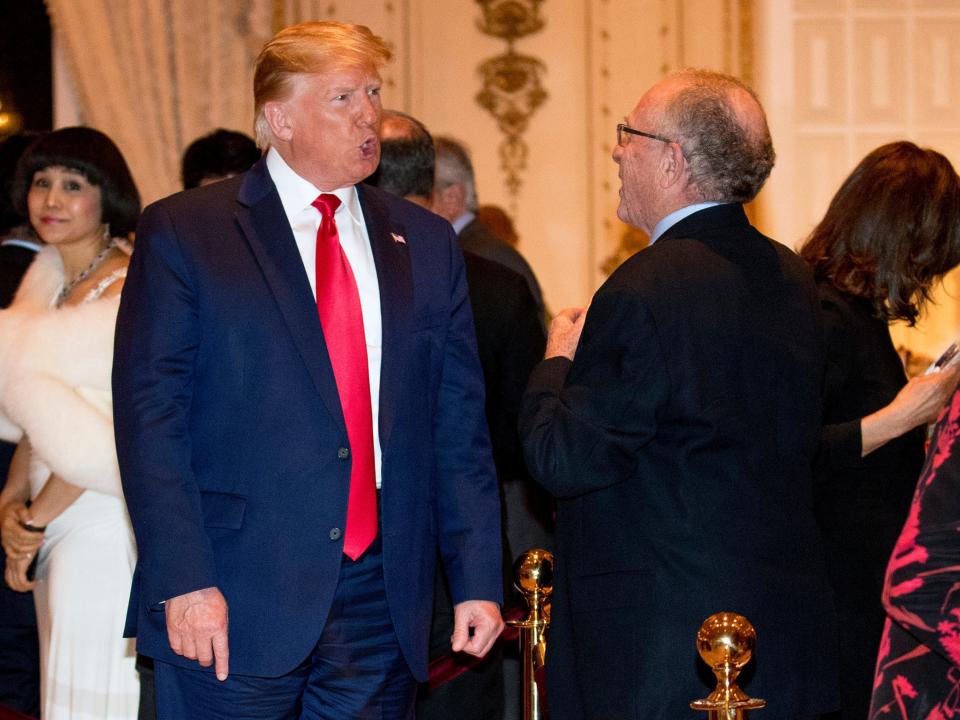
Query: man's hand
564	334
197	628
483	618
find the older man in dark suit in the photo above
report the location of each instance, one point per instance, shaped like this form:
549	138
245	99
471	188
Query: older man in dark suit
675	421
299	417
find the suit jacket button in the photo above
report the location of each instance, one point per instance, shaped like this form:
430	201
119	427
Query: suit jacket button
343	453
334	533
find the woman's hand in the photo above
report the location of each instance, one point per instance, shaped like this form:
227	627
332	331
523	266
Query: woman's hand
15	574
918	403
18	543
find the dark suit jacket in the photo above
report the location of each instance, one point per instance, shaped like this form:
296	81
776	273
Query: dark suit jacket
679	445
510	341
477	239
232	446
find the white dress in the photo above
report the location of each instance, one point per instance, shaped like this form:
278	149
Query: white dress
86	563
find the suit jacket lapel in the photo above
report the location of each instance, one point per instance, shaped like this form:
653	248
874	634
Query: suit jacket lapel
391	256
264	223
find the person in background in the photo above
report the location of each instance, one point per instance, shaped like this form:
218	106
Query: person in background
676	422
890	233
55	399
918	664
510	341
217	156
455	198
299	403
19	651
497	221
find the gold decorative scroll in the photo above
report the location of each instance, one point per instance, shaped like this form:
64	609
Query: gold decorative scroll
512	88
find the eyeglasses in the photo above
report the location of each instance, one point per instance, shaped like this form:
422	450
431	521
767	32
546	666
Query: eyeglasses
623	129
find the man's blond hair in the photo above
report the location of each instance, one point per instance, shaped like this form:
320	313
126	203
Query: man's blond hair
309	48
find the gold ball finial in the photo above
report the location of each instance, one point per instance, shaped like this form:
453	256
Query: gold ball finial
534	572
725	641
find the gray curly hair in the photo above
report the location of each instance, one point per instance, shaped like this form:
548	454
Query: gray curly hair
729	155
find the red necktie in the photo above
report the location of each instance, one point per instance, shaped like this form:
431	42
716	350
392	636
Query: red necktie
338	304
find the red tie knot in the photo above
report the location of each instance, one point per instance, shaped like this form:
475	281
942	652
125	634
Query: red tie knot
327	204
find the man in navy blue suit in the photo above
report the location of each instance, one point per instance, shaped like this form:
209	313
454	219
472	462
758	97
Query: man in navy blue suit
264	385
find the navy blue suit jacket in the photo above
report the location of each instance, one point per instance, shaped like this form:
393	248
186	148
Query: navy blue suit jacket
231	438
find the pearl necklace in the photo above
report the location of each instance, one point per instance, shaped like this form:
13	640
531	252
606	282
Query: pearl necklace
94	264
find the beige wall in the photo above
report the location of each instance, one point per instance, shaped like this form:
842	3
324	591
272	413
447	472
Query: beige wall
837	77
841	77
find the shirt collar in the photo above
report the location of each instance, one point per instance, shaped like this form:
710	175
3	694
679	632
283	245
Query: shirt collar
676	216
297	194
461	222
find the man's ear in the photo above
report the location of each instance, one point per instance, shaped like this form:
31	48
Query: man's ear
277	115
673	166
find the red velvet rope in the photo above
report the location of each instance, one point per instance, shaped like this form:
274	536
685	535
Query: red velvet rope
10	714
452	665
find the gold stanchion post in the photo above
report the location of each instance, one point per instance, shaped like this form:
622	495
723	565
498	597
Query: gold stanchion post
534	579
725	643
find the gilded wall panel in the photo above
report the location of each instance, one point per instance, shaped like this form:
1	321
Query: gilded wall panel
816	178
820	72
895	64
937	77
880	83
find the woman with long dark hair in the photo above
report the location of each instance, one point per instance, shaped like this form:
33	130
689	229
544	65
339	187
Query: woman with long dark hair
62	513
890	233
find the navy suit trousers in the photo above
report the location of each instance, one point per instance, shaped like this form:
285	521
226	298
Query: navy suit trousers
356	671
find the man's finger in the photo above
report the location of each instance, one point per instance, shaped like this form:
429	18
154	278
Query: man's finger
204	652
221	652
189	647
459	638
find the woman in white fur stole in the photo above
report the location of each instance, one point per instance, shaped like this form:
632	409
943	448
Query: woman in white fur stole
62	506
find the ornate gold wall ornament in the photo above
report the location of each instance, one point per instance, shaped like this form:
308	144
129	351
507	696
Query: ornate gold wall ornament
512	88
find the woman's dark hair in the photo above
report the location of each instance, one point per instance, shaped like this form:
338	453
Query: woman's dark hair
891	231
93	155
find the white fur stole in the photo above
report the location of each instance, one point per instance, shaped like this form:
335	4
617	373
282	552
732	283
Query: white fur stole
55	367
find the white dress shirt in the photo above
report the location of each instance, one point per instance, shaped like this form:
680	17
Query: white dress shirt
297	196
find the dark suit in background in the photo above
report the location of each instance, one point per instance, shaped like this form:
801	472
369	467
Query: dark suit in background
19	651
510	341
476	238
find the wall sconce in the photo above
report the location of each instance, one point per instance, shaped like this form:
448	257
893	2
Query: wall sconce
512	88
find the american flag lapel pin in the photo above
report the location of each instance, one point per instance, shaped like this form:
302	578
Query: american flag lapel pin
398	238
